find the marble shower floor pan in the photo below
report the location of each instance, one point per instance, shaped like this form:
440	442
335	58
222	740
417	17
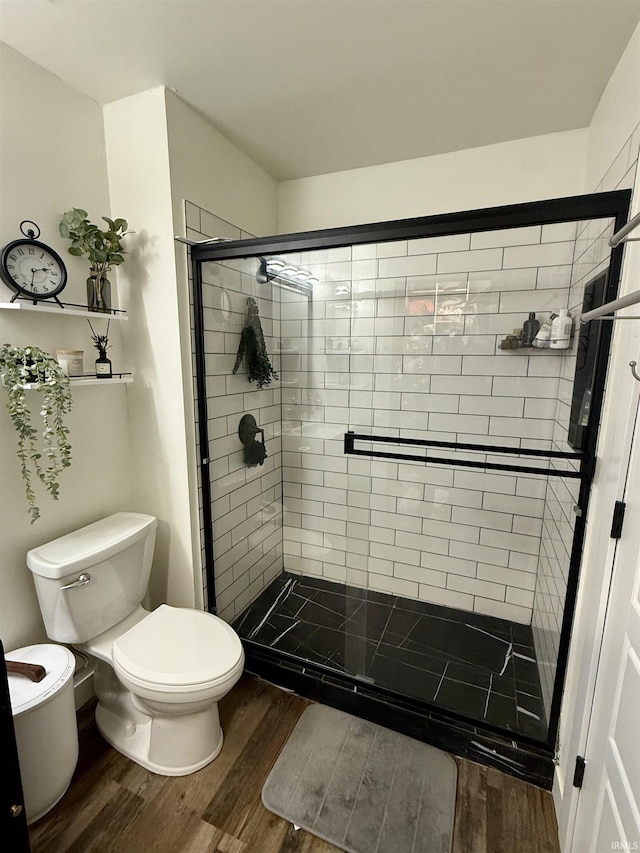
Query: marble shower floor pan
477	666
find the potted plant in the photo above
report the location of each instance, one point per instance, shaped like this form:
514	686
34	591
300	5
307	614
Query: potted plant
103	248
101	343
24	369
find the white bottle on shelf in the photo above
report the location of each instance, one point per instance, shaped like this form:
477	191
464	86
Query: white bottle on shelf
541	340
561	330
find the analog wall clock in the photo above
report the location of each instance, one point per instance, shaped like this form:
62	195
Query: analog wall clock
32	268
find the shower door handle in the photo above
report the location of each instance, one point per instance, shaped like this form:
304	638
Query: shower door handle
81	580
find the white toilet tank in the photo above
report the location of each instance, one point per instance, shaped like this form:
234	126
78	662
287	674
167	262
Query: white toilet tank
105	568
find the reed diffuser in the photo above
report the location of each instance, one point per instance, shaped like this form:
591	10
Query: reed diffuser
101	343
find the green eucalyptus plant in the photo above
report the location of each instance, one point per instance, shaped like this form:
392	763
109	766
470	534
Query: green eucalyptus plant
102	247
45	460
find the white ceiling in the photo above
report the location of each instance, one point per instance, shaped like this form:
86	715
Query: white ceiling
306	87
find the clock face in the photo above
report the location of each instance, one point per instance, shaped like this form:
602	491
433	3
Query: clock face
33	269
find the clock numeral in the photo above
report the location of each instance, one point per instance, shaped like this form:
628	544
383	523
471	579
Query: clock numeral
10	266
13	257
21	251
51	263
34	289
54	274
42	256
32	251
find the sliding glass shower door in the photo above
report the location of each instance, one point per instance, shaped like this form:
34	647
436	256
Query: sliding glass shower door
416	524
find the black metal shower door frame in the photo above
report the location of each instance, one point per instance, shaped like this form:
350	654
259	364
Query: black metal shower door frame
614	205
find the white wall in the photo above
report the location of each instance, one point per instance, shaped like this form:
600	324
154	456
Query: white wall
210	172
160	153
52	158
616	117
614	140
138	158
540	167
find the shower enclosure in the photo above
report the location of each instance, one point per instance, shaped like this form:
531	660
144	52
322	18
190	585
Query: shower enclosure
410	548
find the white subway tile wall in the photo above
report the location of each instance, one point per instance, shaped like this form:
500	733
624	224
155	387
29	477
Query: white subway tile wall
411	348
247	502
591	257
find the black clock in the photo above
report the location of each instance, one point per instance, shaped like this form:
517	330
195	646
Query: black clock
31	268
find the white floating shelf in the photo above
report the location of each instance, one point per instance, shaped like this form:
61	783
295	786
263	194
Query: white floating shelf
93	380
117	379
66	311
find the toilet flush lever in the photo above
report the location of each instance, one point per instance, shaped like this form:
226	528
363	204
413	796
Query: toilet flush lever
81	580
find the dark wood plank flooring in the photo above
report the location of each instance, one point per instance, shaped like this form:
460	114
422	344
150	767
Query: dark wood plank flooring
115	806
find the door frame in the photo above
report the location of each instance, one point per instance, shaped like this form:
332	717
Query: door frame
615	446
623	580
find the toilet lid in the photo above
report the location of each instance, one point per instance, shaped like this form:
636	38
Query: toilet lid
176	646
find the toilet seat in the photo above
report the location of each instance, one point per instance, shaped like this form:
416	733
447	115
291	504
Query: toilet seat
177	650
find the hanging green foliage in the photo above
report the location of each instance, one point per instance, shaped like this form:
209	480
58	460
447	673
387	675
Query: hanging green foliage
253	351
27	369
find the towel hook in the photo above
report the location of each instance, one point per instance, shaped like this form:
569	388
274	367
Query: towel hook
632	365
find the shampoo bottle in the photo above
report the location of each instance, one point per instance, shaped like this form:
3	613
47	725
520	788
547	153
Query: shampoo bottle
530	329
561	330
541	340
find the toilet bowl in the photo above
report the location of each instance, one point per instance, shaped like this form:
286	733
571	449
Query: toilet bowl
159	683
160	674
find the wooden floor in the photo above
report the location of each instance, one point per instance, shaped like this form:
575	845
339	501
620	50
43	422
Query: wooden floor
115	806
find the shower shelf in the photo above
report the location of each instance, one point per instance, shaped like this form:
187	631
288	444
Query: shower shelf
535	351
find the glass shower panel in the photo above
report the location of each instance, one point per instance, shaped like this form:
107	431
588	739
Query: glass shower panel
312	350
473	540
582	367
326	510
246	499
454	549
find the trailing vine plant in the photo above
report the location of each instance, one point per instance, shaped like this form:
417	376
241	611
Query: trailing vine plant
47	458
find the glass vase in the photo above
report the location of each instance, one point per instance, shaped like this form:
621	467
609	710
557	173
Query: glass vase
99	293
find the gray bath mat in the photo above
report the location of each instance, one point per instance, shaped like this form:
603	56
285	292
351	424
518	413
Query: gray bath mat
363	788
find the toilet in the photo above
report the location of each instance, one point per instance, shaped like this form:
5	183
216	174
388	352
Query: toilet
160	674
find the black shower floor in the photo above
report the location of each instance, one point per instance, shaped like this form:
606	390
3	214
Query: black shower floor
477	666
